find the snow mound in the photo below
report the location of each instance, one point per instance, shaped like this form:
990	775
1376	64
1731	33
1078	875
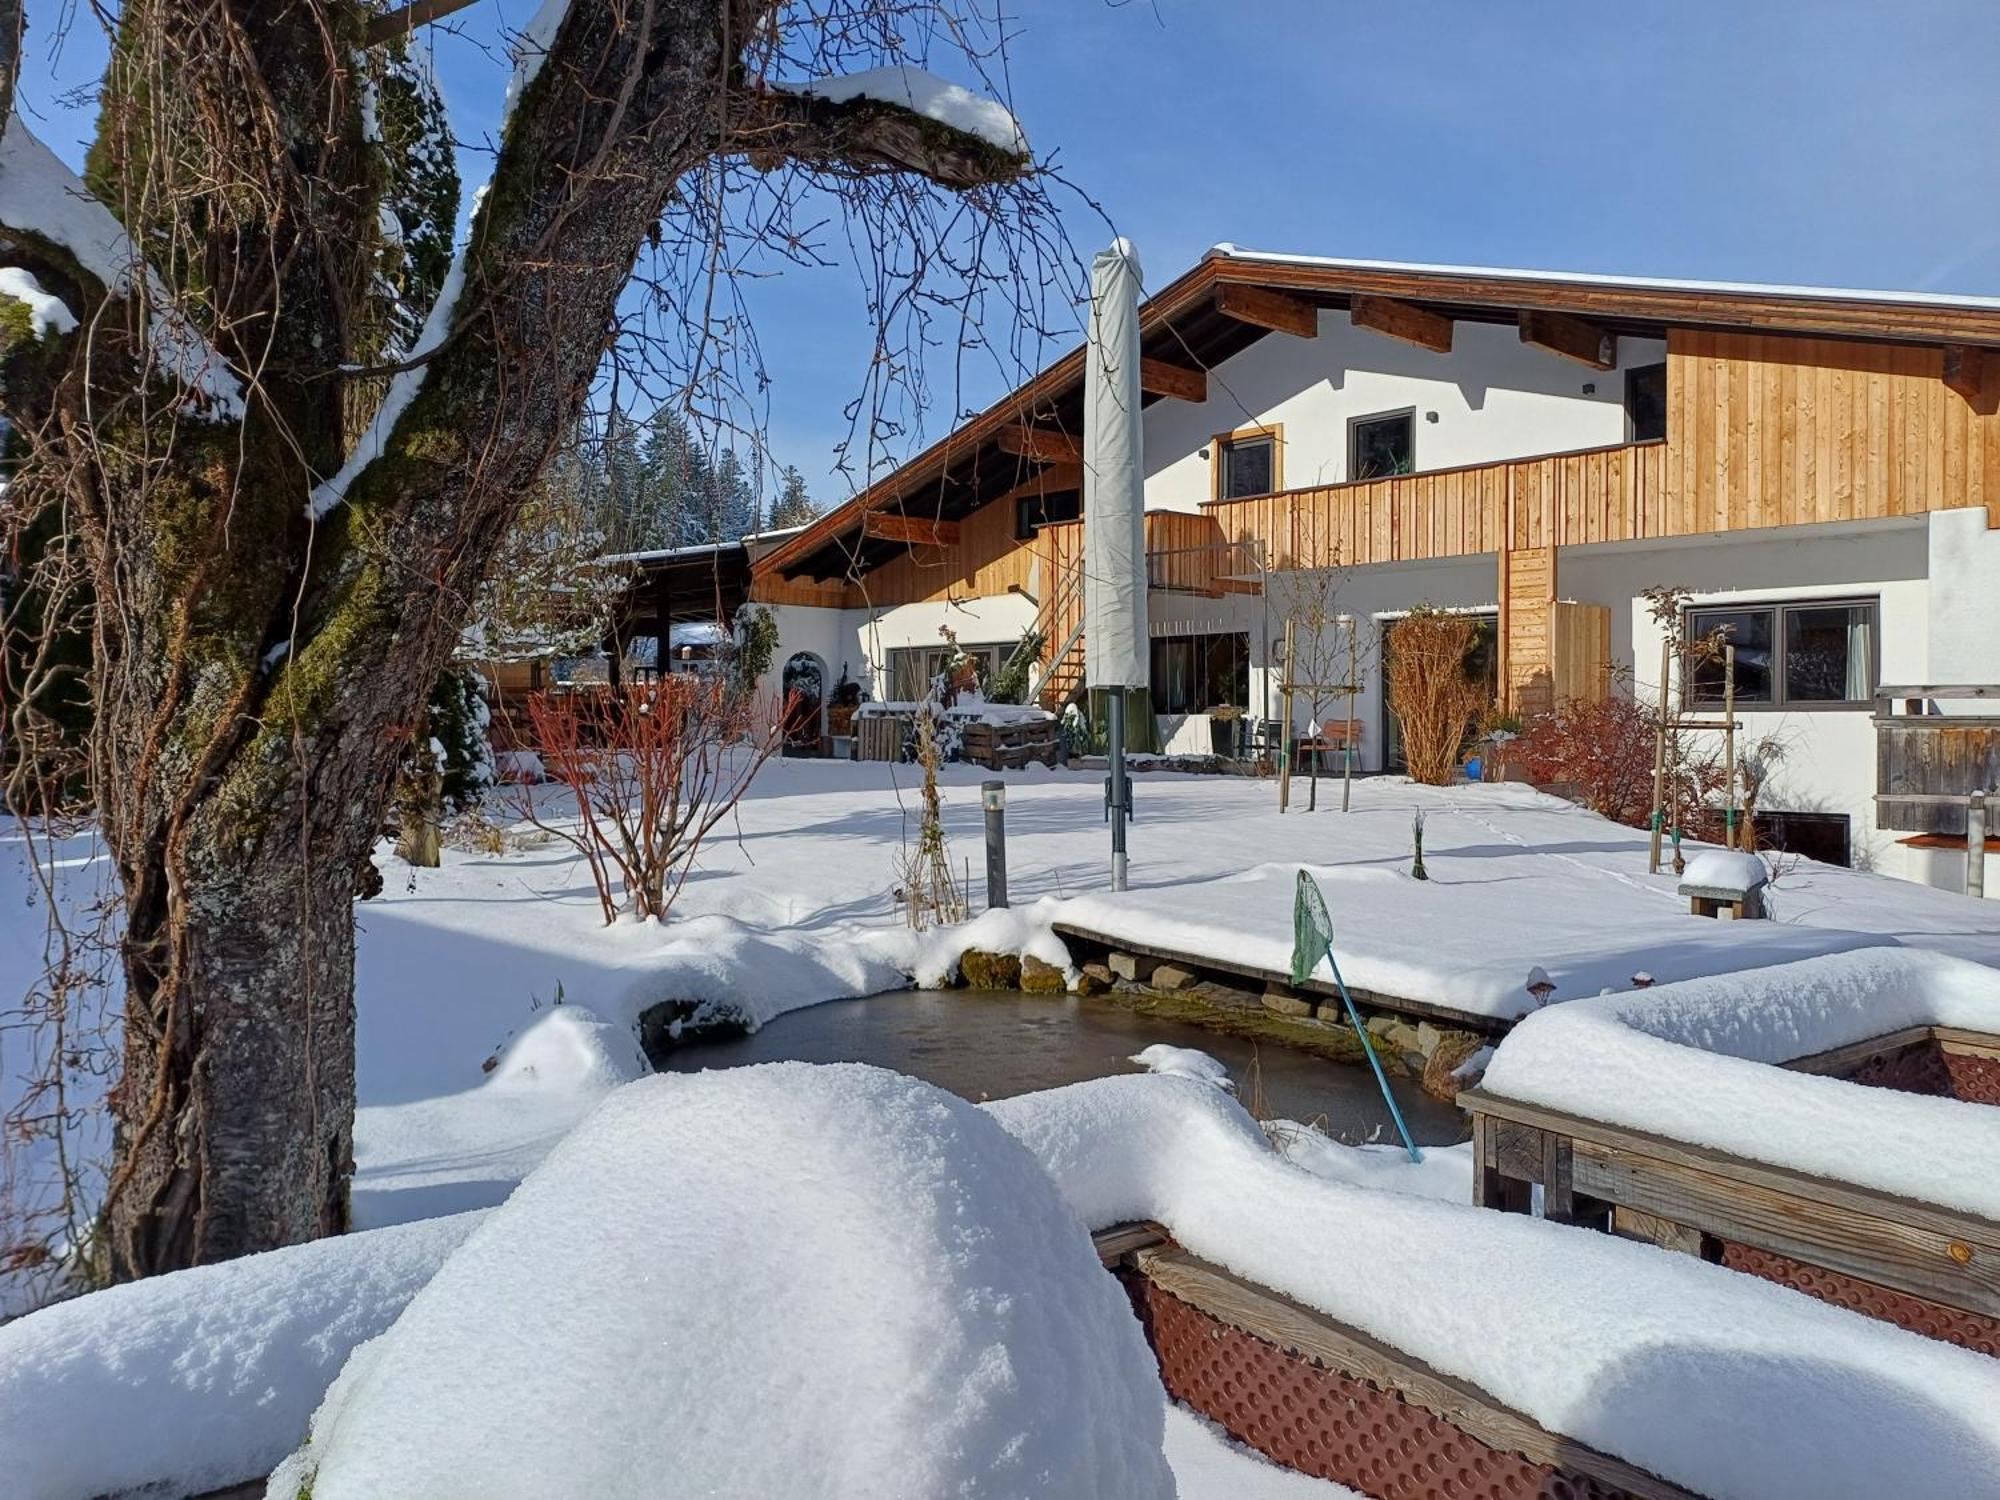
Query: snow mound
931	957
1769	1393
1694	1062
1184	1062
1444	1173
928	95
1726	869
724	1283
202	1378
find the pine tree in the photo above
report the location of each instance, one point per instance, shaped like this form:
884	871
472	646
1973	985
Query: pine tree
677	480
794	506
732	512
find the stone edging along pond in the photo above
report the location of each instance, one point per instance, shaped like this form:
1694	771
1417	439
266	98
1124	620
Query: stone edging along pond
1418	1050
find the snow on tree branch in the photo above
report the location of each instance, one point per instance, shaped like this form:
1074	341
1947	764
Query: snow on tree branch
40	196
925	94
897	119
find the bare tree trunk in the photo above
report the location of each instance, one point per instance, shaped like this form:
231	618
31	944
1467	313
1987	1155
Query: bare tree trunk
237	1113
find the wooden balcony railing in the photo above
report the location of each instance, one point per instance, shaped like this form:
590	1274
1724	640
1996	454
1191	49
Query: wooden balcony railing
1598	495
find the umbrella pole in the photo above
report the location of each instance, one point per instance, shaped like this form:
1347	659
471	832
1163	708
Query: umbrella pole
1120	799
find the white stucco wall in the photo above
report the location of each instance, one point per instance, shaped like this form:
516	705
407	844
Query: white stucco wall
1828	761
1494	397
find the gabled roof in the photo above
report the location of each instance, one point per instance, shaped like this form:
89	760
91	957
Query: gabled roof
1186	325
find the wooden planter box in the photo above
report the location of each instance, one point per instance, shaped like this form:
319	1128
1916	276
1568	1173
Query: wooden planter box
1328	1400
1928	1268
1008	747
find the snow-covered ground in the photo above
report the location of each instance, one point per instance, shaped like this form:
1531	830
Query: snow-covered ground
797	905
469	1069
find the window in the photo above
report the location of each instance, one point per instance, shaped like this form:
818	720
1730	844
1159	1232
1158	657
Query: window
1193	673
1045	510
1789	655
1820	836
1380	446
1247	467
912	669
1646	403
1249	462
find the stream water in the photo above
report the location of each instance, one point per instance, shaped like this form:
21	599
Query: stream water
987	1045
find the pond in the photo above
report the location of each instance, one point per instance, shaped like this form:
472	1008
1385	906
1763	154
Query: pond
987	1045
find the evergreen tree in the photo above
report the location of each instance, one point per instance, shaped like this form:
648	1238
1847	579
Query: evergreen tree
732	509
794	506
678	480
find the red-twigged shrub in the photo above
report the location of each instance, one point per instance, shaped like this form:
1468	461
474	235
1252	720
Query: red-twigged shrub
1602	753
652	769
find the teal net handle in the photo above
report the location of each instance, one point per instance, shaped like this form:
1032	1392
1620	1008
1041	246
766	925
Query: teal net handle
1312	938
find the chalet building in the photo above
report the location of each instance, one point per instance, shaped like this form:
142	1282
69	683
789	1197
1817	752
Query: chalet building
1820	468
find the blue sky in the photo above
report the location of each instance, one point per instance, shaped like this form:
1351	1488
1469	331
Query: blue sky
1830	142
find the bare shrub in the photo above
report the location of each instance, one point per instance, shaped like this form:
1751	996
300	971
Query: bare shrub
1436	702
1602	750
652	769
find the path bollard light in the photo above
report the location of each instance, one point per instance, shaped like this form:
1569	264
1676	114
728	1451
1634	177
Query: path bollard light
993	797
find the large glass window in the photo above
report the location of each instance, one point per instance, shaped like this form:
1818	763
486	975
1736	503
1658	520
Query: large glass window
1788	655
912	669
1380	446
1249	466
1192	674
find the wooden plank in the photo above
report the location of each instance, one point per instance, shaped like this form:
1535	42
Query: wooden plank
1161	377
1890	1253
1946	1223
917	530
1267	309
1572	338
1636	1224
1838	1062
1120	1241
1298	1329
1402	320
1040	443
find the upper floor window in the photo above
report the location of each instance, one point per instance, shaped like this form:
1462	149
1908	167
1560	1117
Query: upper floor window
1032	511
1249	462
1646	403
1805	655
1380	446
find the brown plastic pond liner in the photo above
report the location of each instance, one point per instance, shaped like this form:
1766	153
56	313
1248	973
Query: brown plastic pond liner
1330	1425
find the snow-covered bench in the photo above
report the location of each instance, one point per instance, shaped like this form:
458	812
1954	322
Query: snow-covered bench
1828	1124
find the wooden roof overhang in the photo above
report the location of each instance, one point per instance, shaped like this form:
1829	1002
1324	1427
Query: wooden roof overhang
1230	300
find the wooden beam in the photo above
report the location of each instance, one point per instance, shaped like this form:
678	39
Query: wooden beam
1272	310
1572	338
893	526
1965	370
1159	377
1402	320
1040	443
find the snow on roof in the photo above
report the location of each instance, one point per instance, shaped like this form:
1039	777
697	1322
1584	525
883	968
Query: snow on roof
1719	1382
928	95
1694	1062
1599	279
720	1283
